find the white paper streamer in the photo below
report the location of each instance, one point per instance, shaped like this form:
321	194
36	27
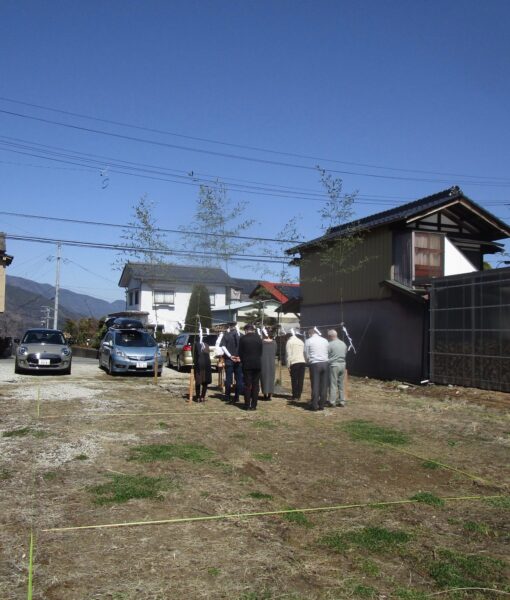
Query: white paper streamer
351	345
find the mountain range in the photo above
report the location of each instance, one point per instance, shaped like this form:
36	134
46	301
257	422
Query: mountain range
25	300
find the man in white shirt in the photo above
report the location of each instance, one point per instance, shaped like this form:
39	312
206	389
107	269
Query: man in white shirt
316	356
295	359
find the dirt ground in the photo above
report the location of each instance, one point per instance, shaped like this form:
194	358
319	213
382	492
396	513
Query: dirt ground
62	437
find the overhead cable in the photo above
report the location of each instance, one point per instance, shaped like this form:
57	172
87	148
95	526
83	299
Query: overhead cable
243	146
157	229
133	249
239	156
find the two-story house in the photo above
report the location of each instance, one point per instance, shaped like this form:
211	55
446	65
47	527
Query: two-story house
380	292
163	291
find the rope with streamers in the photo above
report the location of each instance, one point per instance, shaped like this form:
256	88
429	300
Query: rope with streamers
349	339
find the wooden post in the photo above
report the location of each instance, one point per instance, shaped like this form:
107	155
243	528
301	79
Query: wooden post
190	391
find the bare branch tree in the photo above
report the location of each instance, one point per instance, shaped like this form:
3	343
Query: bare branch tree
142	239
215	213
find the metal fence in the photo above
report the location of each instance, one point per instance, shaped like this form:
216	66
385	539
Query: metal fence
470	330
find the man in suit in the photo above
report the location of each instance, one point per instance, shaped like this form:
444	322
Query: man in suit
250	353
230	346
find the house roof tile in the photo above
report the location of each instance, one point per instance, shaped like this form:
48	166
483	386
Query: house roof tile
405	211
170	273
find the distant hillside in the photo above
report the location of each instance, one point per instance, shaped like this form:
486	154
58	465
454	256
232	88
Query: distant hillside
25	298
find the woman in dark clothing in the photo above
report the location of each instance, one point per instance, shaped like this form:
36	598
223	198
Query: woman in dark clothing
268	367
202	369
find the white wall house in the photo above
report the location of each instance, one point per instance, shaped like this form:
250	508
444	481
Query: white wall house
164	291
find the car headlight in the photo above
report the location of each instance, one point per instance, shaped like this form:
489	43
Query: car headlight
22	350
120	353
66	351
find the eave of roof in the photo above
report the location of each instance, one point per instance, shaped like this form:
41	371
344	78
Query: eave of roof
407	211
272	288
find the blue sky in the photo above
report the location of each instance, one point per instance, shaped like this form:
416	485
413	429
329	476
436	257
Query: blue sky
404	86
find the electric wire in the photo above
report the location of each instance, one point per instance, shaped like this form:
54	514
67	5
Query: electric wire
106	164
243	146
142	250
138	227
236	156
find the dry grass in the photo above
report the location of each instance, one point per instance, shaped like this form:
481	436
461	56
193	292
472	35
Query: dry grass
212	459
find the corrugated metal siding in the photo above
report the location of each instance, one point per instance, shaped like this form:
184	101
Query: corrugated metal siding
323	283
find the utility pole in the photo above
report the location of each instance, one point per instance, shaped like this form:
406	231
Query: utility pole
45	316
57	287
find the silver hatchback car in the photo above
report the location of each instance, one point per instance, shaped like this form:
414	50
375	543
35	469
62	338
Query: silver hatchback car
43	350
129	351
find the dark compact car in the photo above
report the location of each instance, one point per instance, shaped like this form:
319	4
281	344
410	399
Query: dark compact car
180	352
125	323
129	351
43	350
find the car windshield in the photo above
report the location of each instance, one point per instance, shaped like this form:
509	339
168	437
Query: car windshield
44	337
136	339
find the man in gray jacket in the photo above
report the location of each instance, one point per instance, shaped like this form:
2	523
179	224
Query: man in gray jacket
337	351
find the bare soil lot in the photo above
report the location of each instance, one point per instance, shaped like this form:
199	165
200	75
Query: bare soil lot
90	449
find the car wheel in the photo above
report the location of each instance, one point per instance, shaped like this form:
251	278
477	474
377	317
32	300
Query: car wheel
110	367
179	366
17	368
68	370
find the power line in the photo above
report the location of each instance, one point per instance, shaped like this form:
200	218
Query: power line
194	179
134	249
37	147
138	227
244	146
239	156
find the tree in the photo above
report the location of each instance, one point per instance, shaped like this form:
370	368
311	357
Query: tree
217	215
141	238
199	309
338	252
284	271
83	331
258	316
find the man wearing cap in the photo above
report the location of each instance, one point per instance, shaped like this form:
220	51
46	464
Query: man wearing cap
250	353
316	356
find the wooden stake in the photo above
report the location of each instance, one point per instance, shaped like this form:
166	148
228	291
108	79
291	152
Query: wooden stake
191	378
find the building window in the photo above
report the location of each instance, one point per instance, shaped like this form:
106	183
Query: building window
136	297
164	297
212	299
428	255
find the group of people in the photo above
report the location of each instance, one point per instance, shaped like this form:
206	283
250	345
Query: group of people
249	365
326	361
249	361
